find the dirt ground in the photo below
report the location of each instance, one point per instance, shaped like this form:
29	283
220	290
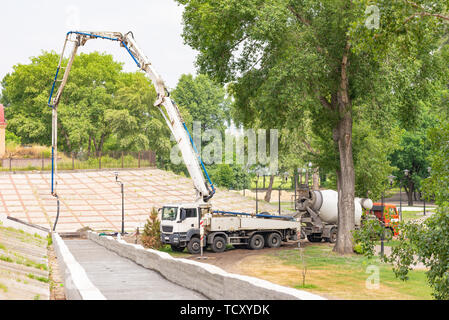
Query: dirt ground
56	284
231	260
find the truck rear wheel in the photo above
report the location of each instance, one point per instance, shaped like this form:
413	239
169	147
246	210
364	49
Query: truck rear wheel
388	235
219	244
333	235
313	238
256	242
194	246
274	240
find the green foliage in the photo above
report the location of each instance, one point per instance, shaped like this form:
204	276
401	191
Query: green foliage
232	177
11	137
151	237
428	242
99	101
204	100
371	158
366	236
283	62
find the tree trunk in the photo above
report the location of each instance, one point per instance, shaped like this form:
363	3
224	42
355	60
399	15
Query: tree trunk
95	146
270	188
346	188
89	147
66	137
296	179
345	174
410	190
100	147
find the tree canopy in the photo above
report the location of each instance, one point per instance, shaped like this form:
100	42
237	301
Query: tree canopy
289	61
100	102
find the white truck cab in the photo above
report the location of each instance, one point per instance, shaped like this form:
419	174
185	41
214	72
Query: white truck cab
180	225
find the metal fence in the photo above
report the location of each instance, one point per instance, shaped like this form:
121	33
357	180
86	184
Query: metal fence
80	161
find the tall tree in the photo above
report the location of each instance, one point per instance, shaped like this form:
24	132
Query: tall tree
205	100
99	102
289	56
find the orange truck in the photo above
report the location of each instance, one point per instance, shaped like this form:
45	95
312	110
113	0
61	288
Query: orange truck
388	215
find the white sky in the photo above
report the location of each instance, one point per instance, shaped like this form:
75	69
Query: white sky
27	27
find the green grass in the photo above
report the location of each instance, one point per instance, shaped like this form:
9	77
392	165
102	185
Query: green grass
38	278
2	247
3	287
174	254
23	236
277	181
6	259
411	215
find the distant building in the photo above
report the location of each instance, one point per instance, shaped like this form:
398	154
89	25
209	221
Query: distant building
2	131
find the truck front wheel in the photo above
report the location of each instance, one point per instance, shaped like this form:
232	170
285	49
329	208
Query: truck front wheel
274	240
218	245
194	246
256	242
177	248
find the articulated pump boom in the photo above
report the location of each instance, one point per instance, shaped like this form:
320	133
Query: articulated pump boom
180	223
204	189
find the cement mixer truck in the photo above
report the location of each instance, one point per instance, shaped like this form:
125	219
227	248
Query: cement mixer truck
319	213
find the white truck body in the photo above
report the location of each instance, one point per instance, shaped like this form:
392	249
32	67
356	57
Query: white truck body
180	227
248	223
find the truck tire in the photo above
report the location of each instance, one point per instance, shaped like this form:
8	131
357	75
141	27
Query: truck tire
313	238
177	248
194	246
256	242
274	240
333	235
219	244
388	235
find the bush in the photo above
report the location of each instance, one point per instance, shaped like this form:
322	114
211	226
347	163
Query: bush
151	236
366	236
428	244
11	137
233	177
16	151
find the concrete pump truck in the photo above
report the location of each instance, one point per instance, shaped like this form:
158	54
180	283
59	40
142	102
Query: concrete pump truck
192	225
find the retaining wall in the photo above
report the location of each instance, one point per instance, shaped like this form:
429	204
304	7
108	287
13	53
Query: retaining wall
7	222
77	285
209	280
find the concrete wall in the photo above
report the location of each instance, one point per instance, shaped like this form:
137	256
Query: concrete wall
76	283
24	163
209	280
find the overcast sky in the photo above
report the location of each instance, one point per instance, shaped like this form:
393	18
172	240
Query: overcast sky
28	27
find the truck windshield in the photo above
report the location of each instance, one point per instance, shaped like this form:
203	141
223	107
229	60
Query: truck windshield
169	213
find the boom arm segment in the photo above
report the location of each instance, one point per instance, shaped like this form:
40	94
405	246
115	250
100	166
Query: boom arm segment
170	111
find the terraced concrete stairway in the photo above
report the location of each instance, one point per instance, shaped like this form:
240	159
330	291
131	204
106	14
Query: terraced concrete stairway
118	278
93	199
24	271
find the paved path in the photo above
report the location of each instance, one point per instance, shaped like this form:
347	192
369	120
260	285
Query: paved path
121	279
